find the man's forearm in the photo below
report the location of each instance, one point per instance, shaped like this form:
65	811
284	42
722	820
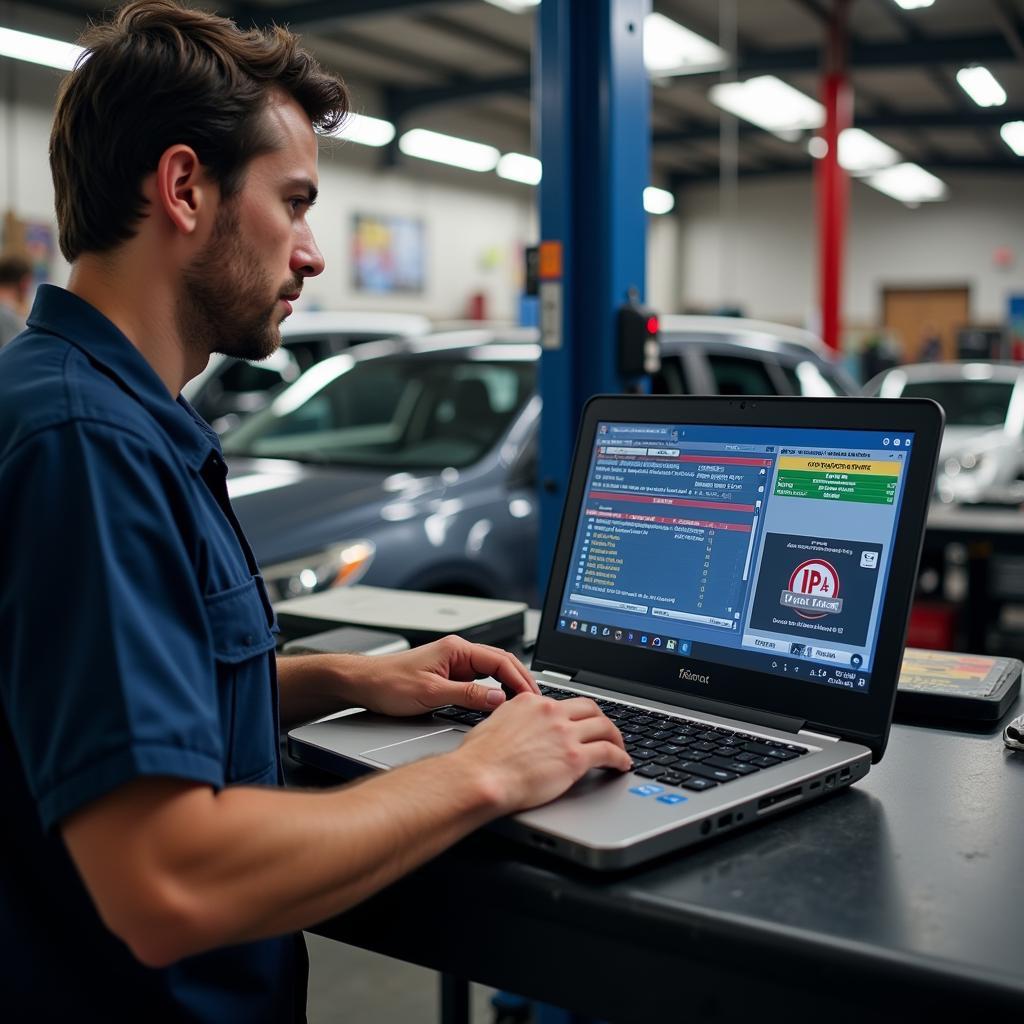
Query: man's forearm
314	685
248	863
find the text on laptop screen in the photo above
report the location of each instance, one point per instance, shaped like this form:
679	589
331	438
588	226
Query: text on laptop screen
762	548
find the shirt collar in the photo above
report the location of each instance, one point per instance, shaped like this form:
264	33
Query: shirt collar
58	311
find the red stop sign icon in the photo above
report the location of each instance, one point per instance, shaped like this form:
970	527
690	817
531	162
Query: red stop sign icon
816	577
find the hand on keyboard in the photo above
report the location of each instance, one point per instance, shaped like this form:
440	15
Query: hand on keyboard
532	749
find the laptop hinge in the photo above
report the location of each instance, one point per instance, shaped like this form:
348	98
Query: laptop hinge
783	723
558	677
819	735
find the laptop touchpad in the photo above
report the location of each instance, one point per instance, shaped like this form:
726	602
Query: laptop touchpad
415	749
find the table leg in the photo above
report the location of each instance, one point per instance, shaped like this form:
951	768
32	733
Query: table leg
454	999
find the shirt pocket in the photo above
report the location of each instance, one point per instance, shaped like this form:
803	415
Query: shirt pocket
242	640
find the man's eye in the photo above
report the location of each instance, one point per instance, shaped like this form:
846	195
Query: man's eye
297	202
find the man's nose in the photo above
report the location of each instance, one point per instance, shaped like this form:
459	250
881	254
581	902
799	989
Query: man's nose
307	260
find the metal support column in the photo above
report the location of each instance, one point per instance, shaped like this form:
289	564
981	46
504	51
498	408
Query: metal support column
832	181
594	131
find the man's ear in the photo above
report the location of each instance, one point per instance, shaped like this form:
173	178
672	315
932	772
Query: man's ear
182	188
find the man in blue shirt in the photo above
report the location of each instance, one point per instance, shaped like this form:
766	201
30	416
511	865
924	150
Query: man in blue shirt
153	868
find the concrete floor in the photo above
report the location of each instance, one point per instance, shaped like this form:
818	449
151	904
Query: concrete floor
350	986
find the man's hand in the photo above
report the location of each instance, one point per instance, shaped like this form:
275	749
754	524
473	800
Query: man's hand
534	749
444	672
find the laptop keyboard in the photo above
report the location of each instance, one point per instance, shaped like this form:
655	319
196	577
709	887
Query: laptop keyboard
673	750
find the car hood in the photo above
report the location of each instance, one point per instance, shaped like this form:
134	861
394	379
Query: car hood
284	507
958	441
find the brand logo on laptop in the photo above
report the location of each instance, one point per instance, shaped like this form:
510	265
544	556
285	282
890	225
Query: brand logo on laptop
693	677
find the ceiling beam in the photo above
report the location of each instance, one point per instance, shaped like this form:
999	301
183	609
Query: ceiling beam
319	13
710	174
404	100
978	117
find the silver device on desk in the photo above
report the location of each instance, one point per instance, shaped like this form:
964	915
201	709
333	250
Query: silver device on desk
732	584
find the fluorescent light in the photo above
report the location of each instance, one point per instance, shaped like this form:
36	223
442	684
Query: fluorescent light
913	5
980	84
515	6
671	49
367	131
447	149
658	200
519	167
1013	135
860	152
51	53
908	183
769	103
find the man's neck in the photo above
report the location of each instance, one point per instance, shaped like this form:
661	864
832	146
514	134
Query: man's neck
140	303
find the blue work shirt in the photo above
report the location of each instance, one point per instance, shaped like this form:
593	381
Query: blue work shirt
137	641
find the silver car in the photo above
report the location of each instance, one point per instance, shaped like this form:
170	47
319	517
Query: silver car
982	453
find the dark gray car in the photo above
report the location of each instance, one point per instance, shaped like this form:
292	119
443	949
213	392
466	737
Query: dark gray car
411	463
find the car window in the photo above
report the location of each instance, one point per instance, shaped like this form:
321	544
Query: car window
806	378
240	376
740	375
967	403
395	412
669	379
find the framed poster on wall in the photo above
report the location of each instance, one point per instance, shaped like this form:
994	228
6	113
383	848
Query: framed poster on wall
388	254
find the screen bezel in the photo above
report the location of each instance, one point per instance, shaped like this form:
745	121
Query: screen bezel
864	717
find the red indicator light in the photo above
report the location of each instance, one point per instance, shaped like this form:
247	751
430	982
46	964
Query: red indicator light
652	325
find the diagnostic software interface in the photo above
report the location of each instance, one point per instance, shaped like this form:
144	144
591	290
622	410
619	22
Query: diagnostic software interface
762	548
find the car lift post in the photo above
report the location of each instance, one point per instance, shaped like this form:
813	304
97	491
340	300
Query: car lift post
592	112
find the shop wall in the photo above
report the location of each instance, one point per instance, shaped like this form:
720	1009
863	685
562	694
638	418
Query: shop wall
938	244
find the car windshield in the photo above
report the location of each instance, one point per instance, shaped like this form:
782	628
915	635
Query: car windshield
396	412
968	403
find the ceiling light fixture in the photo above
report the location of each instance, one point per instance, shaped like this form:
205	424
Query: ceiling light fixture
51	53
980	84
519	167
859	151
1013	135
447	149
769	103
913	5
671	49
515	6
658	200
367	131
909	183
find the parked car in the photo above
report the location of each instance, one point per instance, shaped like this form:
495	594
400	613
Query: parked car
982	452
411	463
229	389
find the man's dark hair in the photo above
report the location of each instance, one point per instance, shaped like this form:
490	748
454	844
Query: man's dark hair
14	269
159	74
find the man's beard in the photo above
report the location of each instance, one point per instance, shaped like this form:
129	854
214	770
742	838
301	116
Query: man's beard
224	299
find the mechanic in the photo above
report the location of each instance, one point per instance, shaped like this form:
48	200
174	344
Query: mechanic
153	868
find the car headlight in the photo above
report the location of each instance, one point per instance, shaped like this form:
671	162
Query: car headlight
340	565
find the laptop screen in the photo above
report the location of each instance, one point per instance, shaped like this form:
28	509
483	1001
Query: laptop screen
755	547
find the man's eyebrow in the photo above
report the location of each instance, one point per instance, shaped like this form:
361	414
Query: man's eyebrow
304	183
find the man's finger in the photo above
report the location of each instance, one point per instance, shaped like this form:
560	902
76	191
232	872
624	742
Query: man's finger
478	696
602	754
588	730
582	707
490	661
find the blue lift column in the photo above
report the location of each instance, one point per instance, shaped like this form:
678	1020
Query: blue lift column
593	99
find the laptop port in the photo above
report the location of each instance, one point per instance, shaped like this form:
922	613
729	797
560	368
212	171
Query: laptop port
844	773
830	781
816	784
724	820
705	826
787	796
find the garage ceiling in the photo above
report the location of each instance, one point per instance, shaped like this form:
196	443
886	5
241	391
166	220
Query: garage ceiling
463	67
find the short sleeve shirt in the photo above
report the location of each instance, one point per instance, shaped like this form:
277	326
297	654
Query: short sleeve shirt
137	641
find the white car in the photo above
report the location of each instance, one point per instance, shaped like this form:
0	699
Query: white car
230	389
982	453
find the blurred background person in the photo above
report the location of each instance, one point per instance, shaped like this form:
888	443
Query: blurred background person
15	282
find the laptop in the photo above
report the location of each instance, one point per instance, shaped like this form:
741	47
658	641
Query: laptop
732	583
